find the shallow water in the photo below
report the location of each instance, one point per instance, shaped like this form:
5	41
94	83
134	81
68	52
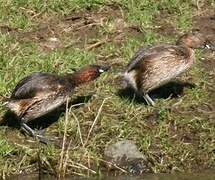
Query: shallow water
197	176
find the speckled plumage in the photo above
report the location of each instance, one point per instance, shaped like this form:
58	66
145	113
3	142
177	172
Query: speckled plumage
40	93
153	67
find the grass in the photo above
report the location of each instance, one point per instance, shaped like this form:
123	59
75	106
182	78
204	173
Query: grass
176	135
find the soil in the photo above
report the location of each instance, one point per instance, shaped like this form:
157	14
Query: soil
88	29
206	25
92	29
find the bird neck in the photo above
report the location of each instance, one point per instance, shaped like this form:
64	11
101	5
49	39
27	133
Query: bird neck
183	44
130	78
80	77
186	49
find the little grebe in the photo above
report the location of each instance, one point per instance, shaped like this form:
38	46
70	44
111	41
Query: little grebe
41	93
155	66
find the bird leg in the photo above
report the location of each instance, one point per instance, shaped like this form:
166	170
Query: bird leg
148	100
33	134
28	130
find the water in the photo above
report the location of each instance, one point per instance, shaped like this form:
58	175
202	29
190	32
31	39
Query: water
197	176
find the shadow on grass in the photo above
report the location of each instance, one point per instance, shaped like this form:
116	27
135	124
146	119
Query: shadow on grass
172	89
11	120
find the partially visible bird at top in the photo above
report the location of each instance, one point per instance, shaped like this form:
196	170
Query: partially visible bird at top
40	93
155	66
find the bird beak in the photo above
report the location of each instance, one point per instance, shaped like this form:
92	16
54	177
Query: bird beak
209	46
104	68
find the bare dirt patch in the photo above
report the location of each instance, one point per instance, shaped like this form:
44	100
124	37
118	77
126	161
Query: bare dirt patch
206	25
84	29
163	26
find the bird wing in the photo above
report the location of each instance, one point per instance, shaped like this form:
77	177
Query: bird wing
162	65
138	56
157	53
37	83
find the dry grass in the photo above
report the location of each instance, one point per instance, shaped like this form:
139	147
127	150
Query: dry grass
175	135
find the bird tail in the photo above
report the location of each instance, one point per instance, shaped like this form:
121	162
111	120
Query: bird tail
6	102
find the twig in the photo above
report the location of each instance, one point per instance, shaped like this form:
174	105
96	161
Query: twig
87	25
85	167
66	157
75	105
64	141
95	120
97	44
197	5
88	161
114	165
79	174
39	164
81	166
79	129
177	103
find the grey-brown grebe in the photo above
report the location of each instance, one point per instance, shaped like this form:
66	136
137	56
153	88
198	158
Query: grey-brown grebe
155	66
41	93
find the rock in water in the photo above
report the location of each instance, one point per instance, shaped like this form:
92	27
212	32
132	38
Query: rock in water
126	155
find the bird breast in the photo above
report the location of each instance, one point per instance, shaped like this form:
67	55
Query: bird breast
130	78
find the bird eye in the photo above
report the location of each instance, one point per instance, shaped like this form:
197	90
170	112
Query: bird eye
101	70
207	46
